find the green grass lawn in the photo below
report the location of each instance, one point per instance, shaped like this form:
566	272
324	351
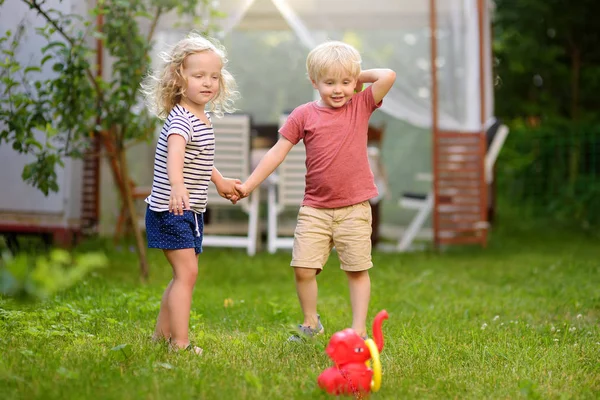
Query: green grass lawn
519	319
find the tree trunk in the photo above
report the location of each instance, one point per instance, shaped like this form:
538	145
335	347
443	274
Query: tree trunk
119	168
132	220
575	151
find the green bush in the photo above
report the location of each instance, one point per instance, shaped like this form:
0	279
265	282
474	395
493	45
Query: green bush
26	277
552	171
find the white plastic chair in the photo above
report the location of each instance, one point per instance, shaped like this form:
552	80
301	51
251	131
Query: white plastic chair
423	202
232	159
286	190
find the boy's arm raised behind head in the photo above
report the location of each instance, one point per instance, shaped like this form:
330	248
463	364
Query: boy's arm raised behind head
266	166
382	79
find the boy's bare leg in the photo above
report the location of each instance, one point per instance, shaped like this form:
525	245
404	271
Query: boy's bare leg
360	294
163	329
306	287
179	297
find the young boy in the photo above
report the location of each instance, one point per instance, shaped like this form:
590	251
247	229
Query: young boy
339	182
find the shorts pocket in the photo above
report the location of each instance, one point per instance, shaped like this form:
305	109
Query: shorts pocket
364	211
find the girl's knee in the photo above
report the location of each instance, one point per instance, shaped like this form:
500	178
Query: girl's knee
188	274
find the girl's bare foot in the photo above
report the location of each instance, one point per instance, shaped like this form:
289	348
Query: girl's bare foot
158	338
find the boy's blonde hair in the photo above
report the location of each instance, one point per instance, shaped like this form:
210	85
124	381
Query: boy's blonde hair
164	88
330	56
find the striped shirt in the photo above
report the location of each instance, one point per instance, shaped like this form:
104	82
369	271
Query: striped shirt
197	165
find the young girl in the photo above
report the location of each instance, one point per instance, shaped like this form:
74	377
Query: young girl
192	79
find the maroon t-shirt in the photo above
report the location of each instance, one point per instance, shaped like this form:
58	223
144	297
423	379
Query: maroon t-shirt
338	172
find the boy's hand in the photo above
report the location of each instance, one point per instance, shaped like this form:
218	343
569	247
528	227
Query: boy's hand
382	80
227	189
180	199
359	86
242	190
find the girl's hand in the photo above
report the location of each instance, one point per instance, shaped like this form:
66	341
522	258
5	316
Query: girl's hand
242	190
226	189
180	199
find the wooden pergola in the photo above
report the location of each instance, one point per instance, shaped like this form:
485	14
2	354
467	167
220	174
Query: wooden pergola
460	192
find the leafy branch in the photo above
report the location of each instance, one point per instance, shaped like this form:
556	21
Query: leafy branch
54	114
37	5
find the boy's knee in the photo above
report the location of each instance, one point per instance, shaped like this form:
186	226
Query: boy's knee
305	273
355	275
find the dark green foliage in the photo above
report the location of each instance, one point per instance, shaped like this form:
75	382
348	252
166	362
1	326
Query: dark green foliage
548	59
548	79
535	169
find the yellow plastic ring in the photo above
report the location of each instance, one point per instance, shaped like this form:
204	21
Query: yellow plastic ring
376	363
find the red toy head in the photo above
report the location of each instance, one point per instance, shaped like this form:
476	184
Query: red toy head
350	353
347	347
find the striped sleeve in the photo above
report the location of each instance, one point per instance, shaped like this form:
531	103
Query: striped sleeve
180	125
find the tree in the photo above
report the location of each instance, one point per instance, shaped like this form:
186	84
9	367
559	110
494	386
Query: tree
61	116
548	58
548	65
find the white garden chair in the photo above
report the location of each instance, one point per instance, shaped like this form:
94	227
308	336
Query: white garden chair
286	191
232	159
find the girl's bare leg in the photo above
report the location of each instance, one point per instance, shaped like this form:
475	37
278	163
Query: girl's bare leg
178	296
163	328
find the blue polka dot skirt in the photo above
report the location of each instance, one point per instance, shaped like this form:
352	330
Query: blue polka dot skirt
168	231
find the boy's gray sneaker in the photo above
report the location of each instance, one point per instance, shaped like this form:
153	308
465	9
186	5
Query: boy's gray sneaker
307	331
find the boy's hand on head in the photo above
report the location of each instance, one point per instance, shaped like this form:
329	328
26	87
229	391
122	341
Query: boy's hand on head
382	79
359	86
180	199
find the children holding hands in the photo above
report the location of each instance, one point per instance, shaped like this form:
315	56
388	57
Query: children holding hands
335	211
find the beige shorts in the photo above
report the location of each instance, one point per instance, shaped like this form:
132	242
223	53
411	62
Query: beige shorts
320	229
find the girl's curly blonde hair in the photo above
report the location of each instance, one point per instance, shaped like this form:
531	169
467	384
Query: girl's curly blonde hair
164	88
